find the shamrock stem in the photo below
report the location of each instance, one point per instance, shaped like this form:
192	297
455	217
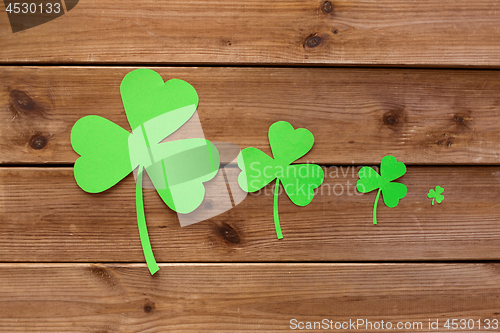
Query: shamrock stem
375	207
143	229
433	201
276	215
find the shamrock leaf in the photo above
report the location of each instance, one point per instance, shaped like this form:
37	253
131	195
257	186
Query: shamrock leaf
370	180
178	169
436	194
299	180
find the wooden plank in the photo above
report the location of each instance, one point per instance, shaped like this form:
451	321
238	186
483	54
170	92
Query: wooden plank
383	32
242	297
356	115
46	217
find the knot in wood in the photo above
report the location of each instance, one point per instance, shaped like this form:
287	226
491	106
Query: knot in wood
327	7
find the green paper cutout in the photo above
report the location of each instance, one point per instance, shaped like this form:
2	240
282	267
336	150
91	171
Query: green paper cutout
145	96
178	169
105	159
143	228
436	194
298	180
370	180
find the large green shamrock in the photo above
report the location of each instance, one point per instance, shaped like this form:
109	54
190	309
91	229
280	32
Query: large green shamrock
299	180
178	169
436	194
370	180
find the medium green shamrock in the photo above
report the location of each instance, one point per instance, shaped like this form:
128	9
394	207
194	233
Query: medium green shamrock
178	169
299	180
436	194
370	180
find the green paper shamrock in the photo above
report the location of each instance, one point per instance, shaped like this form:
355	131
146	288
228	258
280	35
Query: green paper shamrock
370	180
299	180
177	169
436	194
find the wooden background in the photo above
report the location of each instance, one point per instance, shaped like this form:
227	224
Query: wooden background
417	80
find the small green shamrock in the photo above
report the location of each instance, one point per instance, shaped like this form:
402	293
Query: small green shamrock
370	180
436	194
299	180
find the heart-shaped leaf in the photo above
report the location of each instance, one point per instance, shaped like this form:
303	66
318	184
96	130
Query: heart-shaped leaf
104	151
257	169
289	144
179	177
300	181
145	96
391	169
369	180
392	193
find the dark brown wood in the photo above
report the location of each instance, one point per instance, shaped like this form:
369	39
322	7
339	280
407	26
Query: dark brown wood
242	297
356	115
46	217
71	261
384	32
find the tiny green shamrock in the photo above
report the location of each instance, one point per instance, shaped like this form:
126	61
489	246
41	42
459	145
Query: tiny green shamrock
436	194
370	180
299	180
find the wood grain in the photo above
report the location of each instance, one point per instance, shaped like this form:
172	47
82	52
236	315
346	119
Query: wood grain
241	297
382	32
46	217
230	273
356	115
